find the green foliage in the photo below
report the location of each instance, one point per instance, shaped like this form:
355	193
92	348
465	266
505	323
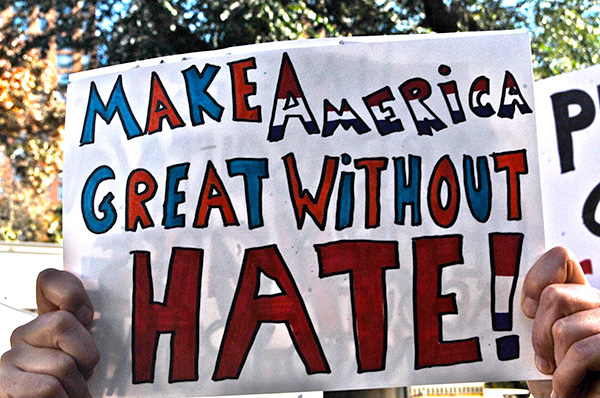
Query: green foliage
565	35
139	29
476	15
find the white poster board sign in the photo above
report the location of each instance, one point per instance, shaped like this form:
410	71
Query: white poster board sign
294	217
568	147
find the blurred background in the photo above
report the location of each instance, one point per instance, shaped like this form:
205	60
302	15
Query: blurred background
43	41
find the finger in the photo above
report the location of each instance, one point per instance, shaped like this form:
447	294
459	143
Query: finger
18	384
557	265
568	330
557	301
61	290
582	357
51	362
540	388
60	330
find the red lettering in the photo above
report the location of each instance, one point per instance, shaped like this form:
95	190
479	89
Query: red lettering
515	164
444	173
161	107
373	168
366	263
214	195
505	259
136	211
430	256
249	310
302	200
178	315
242	89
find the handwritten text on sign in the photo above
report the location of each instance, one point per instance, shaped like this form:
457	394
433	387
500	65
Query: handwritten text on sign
567	131
446	157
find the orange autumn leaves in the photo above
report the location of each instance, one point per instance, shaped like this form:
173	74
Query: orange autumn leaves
31	125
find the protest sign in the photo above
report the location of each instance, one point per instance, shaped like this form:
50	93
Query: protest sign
338	214
568	147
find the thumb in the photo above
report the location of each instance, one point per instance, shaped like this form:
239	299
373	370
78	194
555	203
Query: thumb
61	290
557	265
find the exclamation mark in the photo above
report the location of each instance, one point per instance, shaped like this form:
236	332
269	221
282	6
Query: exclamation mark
505	256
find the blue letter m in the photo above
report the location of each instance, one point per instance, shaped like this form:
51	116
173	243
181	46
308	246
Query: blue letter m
117	103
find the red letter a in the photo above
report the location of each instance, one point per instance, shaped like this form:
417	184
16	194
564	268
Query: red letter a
178	315
214	195
161	107
249	310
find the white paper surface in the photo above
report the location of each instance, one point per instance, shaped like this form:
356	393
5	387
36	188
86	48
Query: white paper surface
341	280
12	318
570	206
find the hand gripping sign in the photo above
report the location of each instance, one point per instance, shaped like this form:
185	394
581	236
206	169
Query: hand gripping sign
315	215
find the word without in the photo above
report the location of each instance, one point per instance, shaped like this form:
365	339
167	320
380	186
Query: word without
141	187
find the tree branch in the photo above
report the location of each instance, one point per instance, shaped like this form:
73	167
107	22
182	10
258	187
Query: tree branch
439	17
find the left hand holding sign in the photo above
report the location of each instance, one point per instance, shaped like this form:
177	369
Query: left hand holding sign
566	329
53	355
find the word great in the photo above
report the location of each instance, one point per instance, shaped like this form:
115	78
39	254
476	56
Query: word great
142	187
367	262
290	102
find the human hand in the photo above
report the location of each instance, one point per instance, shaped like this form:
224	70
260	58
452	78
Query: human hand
566	327
54	355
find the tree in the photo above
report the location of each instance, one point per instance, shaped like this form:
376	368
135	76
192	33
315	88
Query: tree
564	32
31	119
565	35
139	29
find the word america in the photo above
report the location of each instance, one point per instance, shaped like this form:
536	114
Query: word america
290	102
142	187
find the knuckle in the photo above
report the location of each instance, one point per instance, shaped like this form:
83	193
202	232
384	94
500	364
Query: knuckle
68	298
66	366
17	334
7	357
580	351
62	322
46	275
51	388
550	293
559	252
560	330
557	298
